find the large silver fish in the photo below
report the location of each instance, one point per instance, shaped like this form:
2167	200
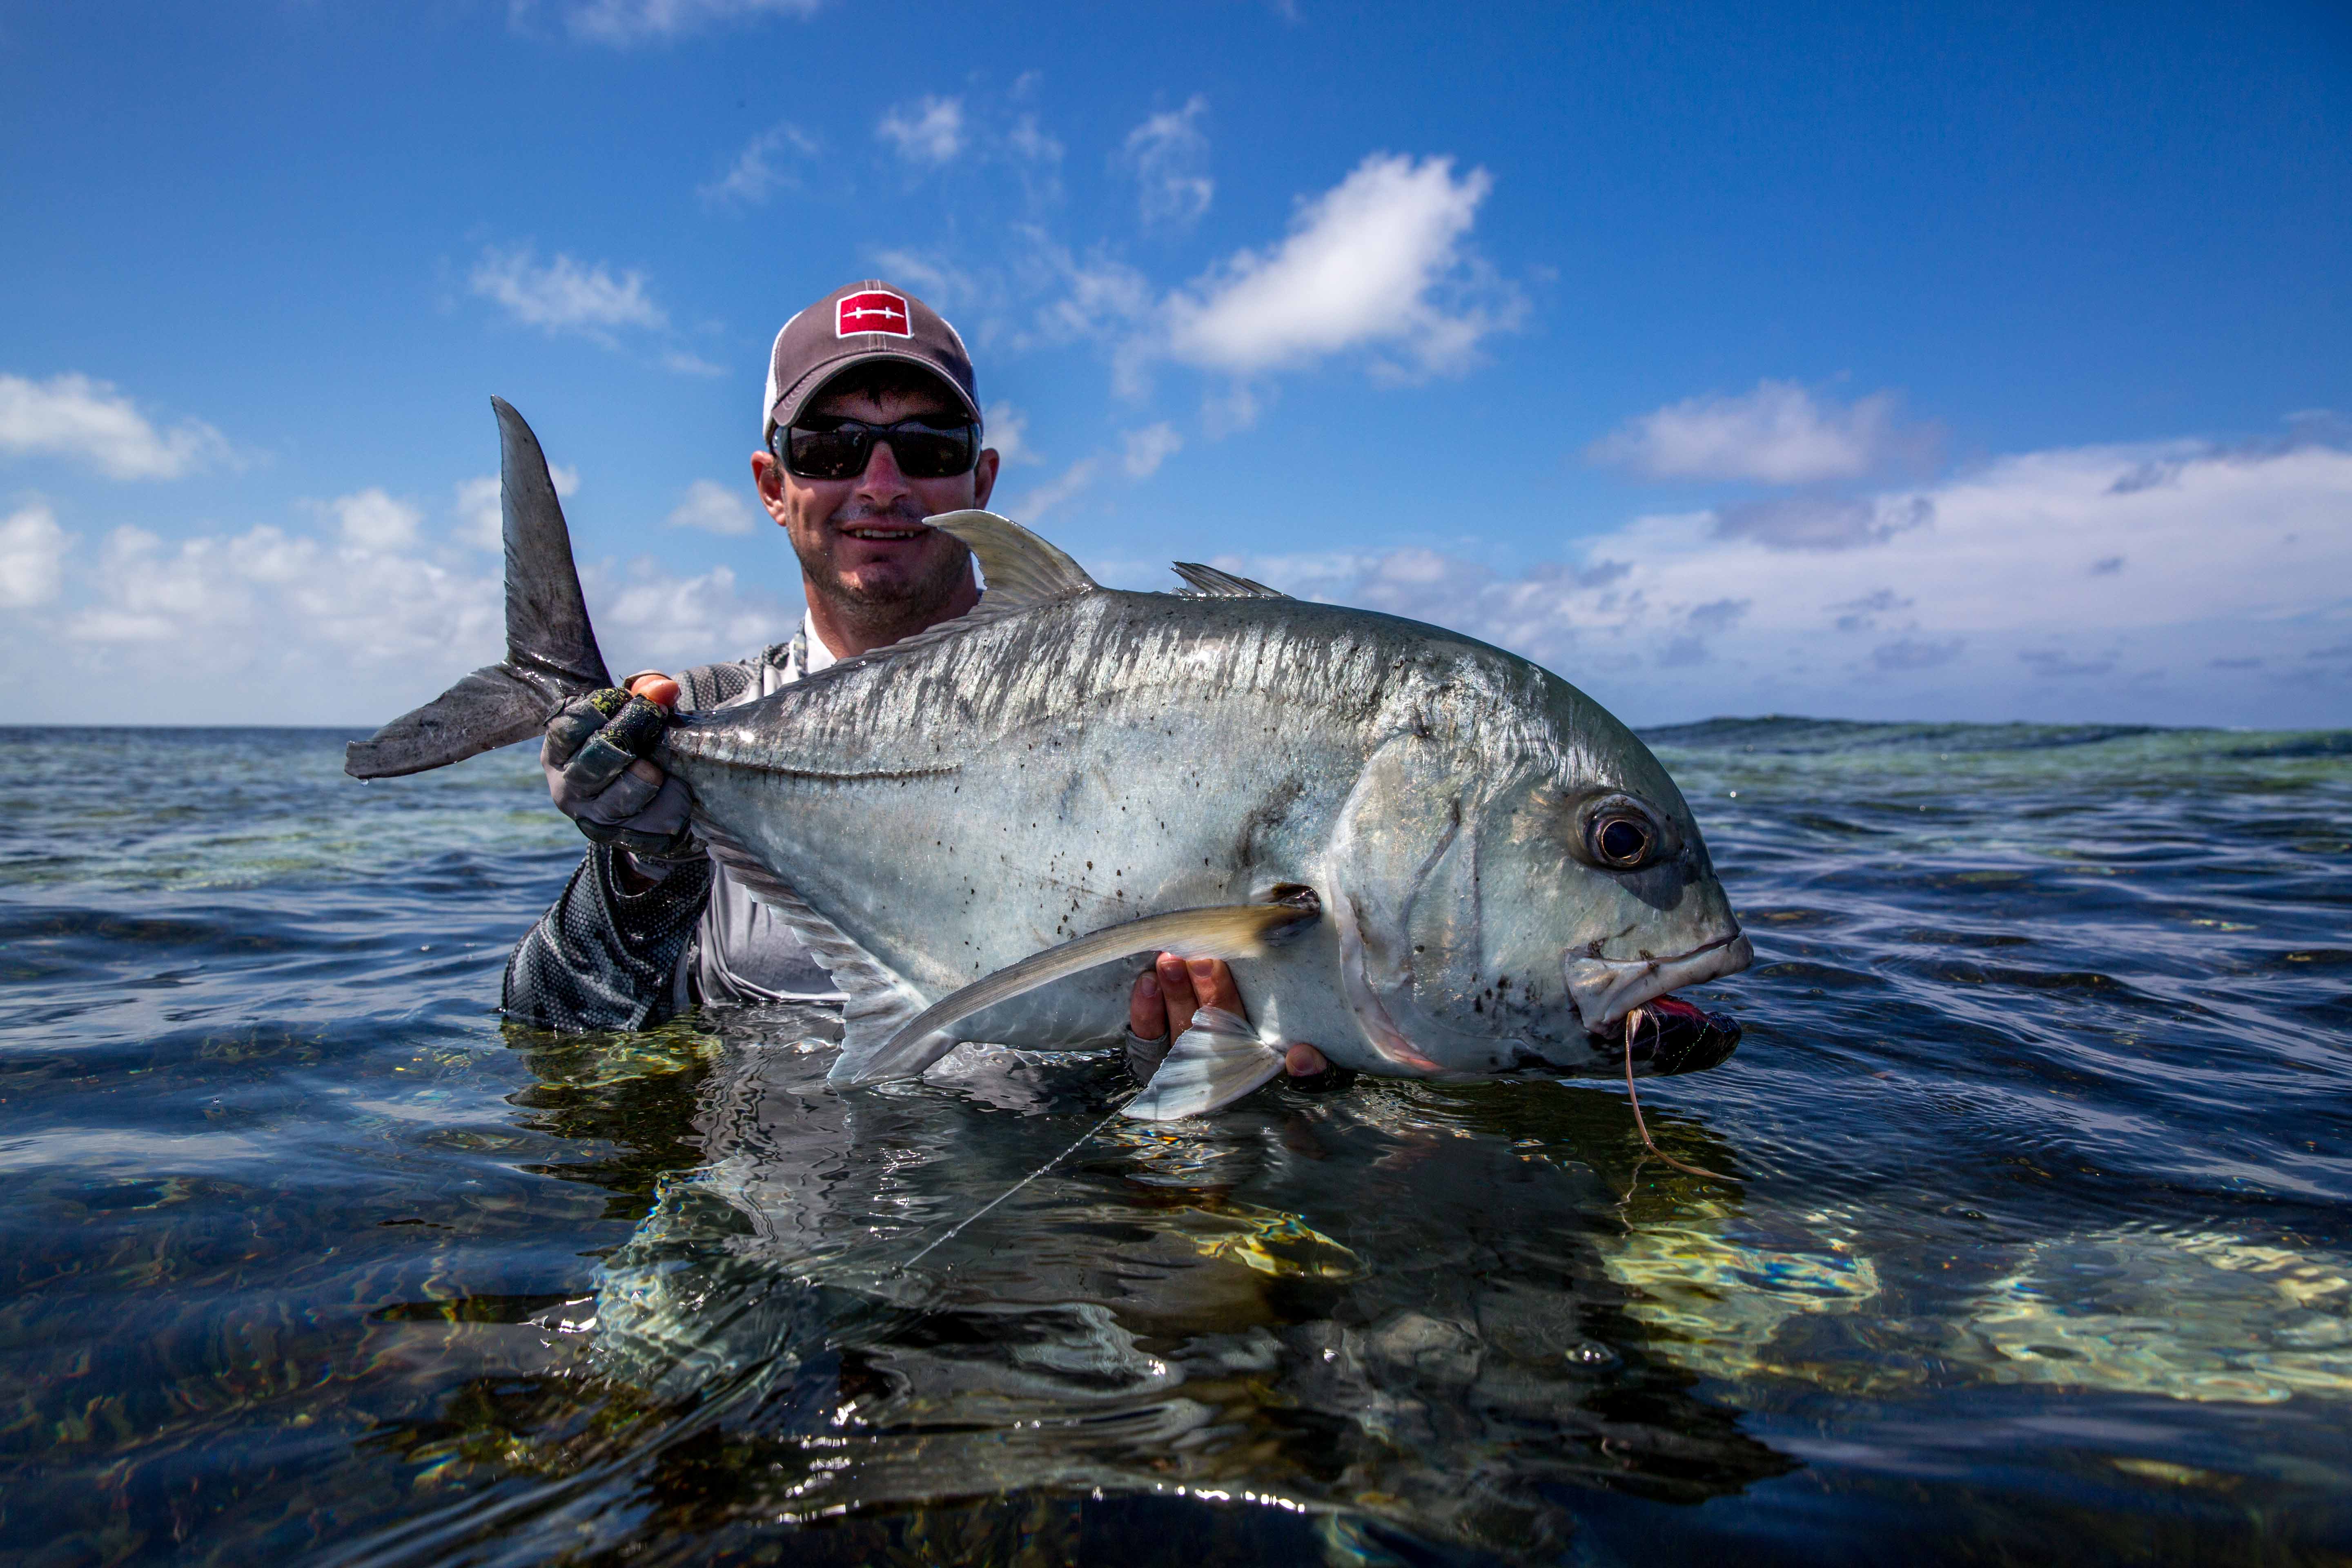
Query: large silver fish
1427	855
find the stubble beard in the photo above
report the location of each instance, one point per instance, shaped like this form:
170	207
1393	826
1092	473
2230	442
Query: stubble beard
889	609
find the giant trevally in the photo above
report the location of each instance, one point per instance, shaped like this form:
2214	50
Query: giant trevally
1428	857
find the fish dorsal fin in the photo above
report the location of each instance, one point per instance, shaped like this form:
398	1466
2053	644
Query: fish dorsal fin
1208	583
1021	569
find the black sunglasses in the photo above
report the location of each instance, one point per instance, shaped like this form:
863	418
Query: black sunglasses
835	449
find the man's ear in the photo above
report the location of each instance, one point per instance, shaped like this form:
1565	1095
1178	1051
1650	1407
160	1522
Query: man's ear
983	476
768	478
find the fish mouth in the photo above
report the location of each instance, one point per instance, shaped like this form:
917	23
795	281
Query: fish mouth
1606	989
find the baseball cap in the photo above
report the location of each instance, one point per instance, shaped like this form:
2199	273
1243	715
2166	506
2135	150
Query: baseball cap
866	320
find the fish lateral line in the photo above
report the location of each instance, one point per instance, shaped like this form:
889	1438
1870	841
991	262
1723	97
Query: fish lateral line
832	775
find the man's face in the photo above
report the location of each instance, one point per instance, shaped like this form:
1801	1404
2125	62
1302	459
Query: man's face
862	543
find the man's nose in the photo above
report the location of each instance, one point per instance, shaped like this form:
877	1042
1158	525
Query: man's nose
882	483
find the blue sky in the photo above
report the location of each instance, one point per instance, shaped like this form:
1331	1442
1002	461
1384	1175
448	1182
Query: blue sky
1887	362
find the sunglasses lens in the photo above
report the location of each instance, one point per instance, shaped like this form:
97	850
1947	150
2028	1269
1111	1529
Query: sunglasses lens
827	454
926	454
922	451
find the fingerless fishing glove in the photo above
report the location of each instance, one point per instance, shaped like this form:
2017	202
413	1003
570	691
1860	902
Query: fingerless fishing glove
586	754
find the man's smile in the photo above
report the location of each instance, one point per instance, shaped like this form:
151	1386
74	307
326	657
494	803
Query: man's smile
885	531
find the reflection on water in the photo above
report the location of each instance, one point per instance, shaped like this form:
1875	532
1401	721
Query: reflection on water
2034	1244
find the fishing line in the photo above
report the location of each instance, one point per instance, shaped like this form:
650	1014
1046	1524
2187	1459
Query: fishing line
1633	1020
950	1234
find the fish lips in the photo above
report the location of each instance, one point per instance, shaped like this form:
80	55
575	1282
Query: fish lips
1606	989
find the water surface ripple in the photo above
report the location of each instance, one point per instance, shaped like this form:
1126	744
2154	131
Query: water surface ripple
2036	1247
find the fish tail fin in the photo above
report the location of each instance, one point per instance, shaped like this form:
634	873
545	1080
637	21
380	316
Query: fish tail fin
552	654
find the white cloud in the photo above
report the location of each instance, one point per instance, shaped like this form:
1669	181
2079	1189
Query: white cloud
714	508
219	605
1008	432
1993	605
1148	448
1073	480
371	521
564	296
1099	297
685	364
930	131
1030	142
1374	263
1140	454
666	622
621	23
481	521
1036	159
333	627
1779	432
754	177
941	286
1169	155
76	417
32	557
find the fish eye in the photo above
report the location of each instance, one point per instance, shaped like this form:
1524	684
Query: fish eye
1622	842
1616	832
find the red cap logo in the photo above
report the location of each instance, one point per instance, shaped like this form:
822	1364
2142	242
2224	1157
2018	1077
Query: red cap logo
875	310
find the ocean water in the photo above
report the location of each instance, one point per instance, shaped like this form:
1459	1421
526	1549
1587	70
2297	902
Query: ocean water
2034	1247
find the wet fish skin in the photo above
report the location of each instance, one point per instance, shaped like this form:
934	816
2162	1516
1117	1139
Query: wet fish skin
956	807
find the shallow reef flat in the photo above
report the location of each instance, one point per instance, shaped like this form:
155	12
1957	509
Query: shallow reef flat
2033	1244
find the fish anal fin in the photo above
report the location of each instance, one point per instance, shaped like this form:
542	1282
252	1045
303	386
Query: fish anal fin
1223	930
1212	1064
1208	583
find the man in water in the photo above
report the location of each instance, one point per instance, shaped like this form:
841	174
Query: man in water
870	424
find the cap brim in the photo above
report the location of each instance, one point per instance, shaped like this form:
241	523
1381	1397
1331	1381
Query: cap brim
789	404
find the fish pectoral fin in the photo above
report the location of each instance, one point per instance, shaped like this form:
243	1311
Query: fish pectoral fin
1223	930
1208	583
1212	1064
